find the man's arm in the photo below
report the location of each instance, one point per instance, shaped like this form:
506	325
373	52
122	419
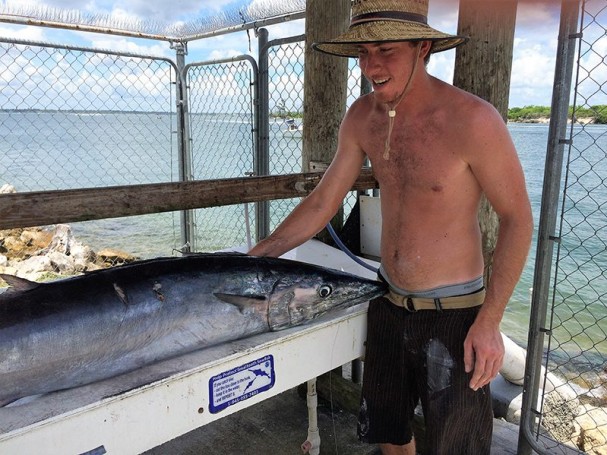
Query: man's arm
317	209
501	177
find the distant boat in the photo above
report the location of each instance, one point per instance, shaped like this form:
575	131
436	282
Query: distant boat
292	129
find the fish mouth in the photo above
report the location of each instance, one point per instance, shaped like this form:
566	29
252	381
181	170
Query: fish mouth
370	295
376	290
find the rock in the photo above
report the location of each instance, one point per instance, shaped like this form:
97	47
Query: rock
11	244
51	252
33	267
7	188
61	241
592	430
83	257
559	415
23	243
36	238
111	257
61	263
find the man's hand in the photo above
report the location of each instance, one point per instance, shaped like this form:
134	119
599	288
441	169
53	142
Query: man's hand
483	352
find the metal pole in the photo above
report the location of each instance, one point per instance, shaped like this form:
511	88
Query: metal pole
262	160
547	237
183	143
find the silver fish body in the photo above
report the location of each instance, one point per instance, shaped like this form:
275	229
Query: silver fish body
79	330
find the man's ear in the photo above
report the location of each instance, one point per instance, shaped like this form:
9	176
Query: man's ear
426	47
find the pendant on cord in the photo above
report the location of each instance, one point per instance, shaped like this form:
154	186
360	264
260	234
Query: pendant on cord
391	115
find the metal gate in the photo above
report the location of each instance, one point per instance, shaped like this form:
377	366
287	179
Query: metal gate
565	397
222	118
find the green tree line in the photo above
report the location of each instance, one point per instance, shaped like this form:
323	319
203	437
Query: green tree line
529	113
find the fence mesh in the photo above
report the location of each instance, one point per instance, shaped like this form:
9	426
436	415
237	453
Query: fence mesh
74	118
286	68
574	399
222	145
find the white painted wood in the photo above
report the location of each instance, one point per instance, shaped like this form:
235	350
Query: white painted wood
370	226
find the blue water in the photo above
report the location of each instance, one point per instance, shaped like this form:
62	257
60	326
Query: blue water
580	307
48	151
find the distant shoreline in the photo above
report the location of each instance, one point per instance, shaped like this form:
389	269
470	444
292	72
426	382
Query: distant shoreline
546	120
541	114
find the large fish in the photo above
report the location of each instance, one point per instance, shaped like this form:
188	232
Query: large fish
79	330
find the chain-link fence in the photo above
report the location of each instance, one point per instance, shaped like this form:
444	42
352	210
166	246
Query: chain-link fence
74	118
286	91
572	405
222	144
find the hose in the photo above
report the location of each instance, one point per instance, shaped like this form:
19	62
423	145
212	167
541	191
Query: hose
345	249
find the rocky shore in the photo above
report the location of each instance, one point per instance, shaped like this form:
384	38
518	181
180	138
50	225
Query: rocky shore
43	253
48	252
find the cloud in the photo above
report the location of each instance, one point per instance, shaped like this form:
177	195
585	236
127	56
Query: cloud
534	51
143	47
532	74
22	32
593	71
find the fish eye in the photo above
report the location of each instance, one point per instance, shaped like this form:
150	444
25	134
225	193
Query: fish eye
325	291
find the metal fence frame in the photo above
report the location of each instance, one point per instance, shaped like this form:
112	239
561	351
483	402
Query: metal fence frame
543	344
126	69
248	109
260	114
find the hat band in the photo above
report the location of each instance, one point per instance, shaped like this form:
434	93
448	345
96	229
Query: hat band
399	16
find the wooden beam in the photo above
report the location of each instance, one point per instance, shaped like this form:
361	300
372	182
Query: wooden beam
42	208
483	67
325	89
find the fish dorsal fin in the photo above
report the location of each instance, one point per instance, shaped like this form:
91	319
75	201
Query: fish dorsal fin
18	284
242	302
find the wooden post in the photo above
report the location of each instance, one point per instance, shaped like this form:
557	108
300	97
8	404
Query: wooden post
483	67
325	85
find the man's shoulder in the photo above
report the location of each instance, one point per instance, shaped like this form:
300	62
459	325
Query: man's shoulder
363	102
463	99
361	110
465	106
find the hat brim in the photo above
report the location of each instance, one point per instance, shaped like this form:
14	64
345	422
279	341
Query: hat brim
346	44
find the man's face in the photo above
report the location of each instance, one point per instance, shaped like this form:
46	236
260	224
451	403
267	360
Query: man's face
387	66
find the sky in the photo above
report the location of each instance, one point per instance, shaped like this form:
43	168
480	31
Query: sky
535	42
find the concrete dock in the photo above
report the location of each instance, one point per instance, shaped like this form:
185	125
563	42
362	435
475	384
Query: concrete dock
279	425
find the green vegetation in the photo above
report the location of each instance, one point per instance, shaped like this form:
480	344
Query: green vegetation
286	114
533	113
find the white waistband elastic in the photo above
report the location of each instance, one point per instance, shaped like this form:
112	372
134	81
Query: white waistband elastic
440	292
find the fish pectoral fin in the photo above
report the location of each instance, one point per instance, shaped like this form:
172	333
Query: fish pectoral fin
18	284
241	301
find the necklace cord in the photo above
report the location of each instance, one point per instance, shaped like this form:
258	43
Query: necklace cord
392	110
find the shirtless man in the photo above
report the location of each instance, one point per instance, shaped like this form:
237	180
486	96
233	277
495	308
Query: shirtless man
434	150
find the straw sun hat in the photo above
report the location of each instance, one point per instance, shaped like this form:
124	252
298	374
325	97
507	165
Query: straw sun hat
388	20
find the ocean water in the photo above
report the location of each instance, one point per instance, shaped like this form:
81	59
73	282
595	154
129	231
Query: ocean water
580	307
47	151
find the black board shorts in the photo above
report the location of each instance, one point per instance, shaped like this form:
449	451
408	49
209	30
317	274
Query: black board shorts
413	356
